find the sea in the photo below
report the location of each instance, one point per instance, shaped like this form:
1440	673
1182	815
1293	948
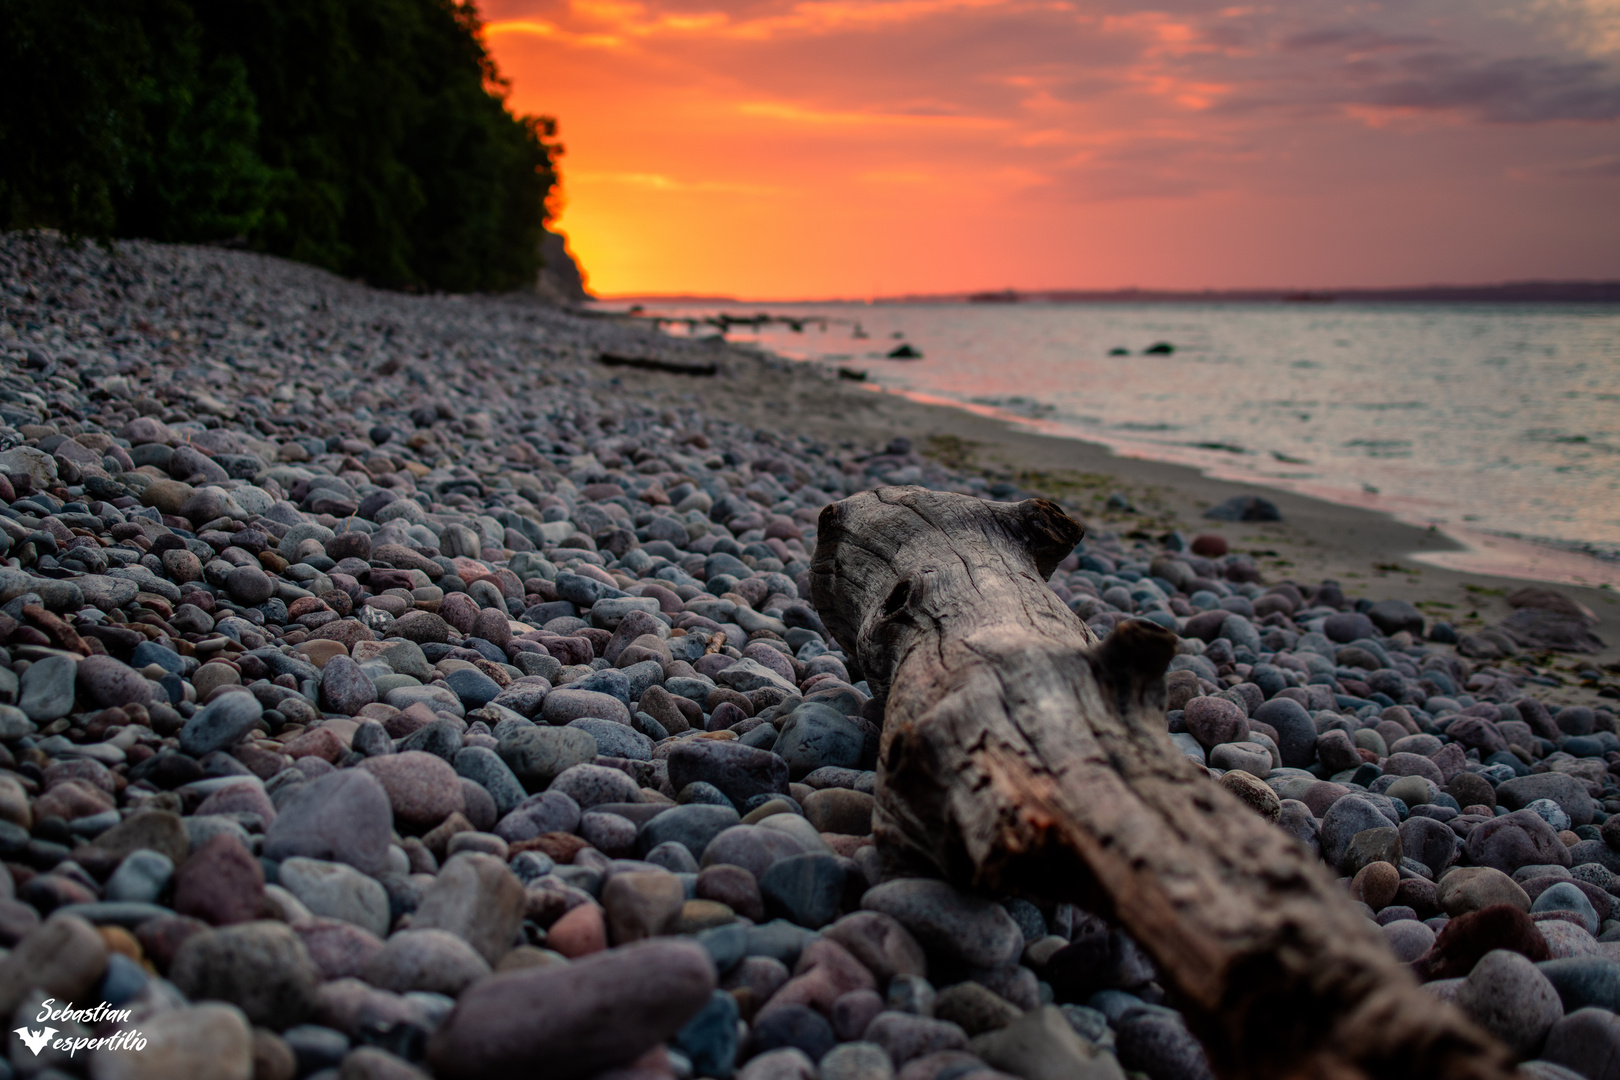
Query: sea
1488	419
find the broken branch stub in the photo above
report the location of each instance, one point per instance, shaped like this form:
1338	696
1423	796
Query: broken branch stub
1020	755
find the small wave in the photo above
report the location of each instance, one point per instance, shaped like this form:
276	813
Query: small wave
1022	406
1383	448
1559	438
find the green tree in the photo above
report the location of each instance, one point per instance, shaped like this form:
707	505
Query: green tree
371	137
195	172
67	114
386	123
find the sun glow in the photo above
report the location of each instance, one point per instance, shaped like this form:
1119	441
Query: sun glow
786	148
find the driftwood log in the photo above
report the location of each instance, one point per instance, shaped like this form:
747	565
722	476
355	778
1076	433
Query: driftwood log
1020	756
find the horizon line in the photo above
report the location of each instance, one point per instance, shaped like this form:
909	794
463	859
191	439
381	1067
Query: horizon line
1013	294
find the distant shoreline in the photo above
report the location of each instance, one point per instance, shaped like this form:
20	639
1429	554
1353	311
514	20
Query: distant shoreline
1513	292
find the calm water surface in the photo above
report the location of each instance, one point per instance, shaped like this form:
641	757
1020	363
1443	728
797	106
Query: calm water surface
1499	418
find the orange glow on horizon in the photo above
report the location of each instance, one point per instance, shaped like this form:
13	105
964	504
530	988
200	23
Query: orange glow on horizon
780	149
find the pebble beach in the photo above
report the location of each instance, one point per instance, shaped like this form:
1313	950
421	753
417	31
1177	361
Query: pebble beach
391	688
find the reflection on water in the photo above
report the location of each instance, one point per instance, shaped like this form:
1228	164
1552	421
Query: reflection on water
1506	417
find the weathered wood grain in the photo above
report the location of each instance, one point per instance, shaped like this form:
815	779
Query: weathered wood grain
1020	755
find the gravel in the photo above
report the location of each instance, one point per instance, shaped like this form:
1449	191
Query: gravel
381	664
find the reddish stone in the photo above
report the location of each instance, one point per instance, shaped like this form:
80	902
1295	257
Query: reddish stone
422	787
321	743
408	721
221	883
1467	938
161	938
71	800
580	932
246	797
561	847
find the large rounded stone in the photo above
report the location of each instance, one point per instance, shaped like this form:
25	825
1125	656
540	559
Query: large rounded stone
260	967
1213	720
965	928
538	755
221	883
549	811
1584	980
337	891
642	904
1296	731
47	688
344	816
249	585
109	683
63	956
693	826
1430	842
1348	816
1568	792
209	1040
740	772
884	946
221	724
1474	888
1522	838
1586	1041
476	898
750	847
1508	997
422	627
1466	938
1156	1042
423	789
592	785
345	688
816	735
435	961
596	1013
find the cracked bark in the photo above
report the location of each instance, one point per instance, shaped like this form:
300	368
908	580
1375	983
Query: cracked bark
1019	755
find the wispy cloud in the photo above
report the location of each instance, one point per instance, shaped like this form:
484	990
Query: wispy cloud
1081	114
673	185
917	118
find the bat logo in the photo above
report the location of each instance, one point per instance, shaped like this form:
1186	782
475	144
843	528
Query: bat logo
35	1040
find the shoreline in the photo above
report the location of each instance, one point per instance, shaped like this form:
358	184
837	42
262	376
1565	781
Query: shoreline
1495	515
1506	555
1464	580
535	608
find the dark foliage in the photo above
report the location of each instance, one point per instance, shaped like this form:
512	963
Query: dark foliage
370	137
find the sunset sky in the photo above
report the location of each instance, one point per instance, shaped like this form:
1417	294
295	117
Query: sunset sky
778	149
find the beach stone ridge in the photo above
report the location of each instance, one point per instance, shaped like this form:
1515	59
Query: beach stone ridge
388	689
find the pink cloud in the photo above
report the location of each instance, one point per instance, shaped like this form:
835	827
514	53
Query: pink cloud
1060	142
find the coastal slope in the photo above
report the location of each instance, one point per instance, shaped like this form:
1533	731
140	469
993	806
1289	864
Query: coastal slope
432	685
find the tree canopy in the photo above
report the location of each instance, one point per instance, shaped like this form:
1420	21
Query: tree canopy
371	137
